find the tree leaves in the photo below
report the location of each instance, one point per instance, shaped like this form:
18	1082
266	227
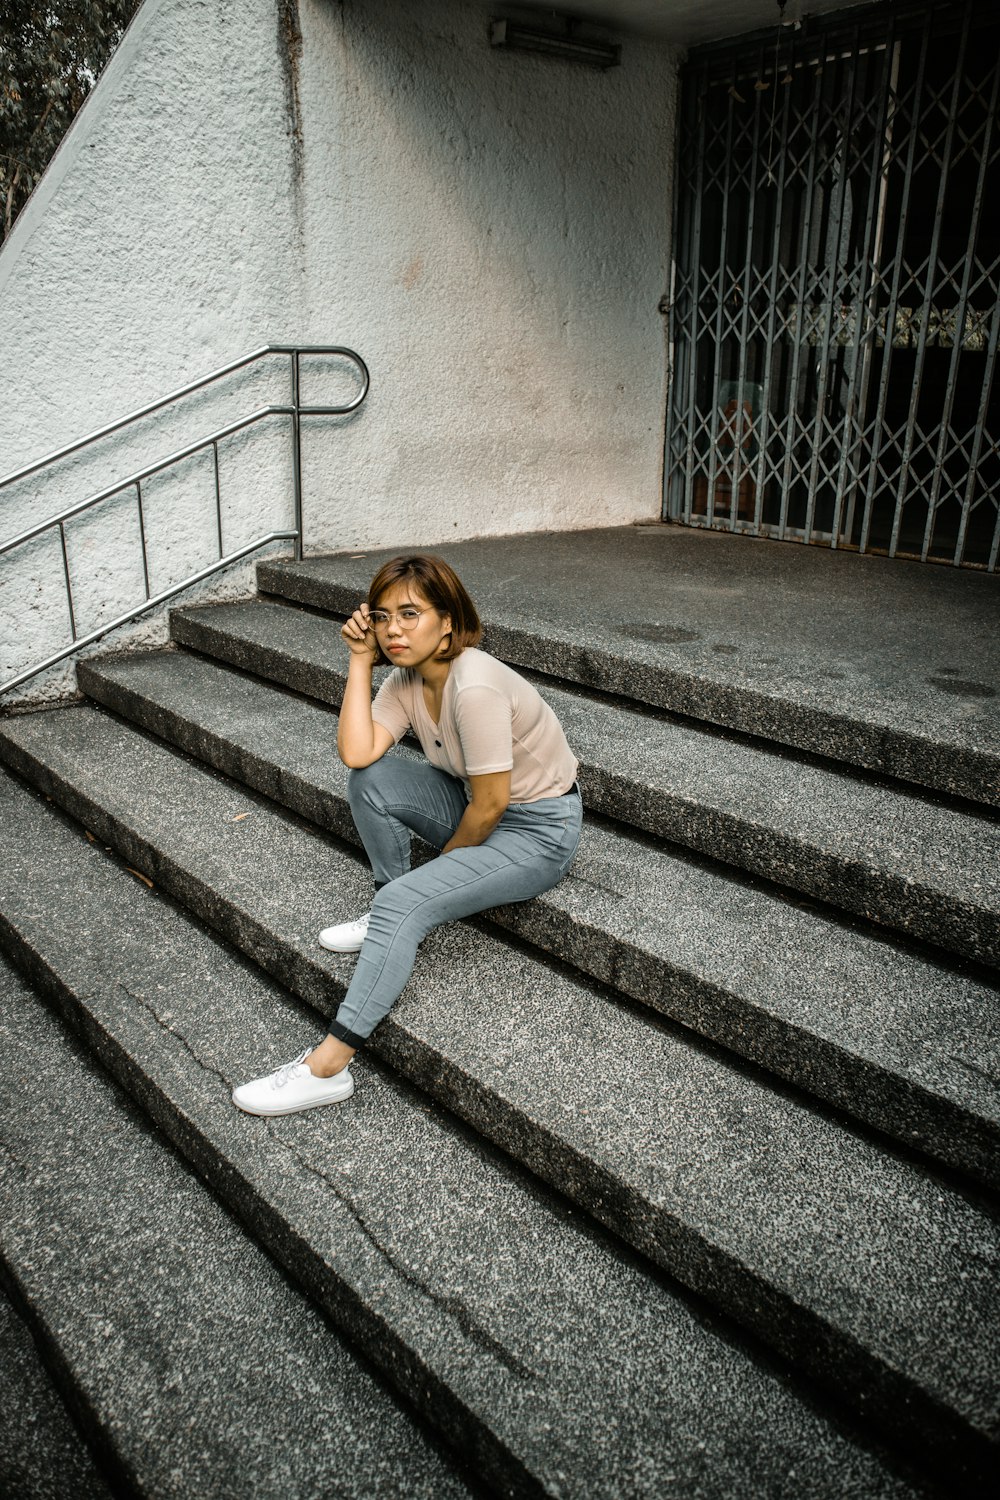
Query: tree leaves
51	55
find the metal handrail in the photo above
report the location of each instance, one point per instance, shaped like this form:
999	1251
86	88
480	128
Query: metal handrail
133	614
196	385
294	409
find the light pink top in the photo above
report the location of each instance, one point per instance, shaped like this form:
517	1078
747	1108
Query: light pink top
491	720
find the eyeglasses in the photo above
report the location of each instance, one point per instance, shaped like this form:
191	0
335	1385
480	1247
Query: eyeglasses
407	616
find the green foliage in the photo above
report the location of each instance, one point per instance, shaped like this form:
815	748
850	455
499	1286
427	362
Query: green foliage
50	58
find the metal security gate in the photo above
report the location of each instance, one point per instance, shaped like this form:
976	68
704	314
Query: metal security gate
835	311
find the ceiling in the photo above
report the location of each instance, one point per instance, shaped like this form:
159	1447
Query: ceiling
684	21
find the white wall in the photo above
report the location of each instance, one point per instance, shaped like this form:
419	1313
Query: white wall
489	230
492	230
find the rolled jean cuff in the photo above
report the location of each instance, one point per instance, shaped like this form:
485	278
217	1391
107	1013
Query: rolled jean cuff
349	1038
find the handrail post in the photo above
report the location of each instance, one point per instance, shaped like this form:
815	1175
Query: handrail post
297	453
69	582
295	409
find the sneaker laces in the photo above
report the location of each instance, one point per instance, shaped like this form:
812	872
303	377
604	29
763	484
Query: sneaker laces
281	1075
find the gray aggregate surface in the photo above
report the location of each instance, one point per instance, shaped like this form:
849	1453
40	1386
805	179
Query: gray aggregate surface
910	1046
42	1455
200	1369
928	870
886	664
494	1305
872	1273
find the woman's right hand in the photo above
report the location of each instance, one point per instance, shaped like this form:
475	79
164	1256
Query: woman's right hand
358	633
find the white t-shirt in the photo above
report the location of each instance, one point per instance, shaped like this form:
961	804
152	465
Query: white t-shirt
491	720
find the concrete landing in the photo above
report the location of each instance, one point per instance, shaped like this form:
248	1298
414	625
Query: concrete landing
890	665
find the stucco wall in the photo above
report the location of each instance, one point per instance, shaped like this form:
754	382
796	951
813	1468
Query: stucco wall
489	230
160	244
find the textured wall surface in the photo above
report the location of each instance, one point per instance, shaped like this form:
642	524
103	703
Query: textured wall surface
489	230
160	244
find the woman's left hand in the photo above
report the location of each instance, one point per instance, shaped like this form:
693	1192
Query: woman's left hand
358	634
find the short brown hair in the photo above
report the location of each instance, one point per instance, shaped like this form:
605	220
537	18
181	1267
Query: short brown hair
444	591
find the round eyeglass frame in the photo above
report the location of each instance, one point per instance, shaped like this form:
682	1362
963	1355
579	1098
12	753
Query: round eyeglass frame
381	619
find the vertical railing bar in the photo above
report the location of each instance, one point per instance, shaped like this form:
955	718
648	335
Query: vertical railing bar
989	375
688	233
673	446
719	314
880	175
930	524
853	413
69	582
701	104
669	426
58	521
142	537
995	548
297	453
960	313
218	499
737	463
804	235
835	232
764	434
928	292
897	275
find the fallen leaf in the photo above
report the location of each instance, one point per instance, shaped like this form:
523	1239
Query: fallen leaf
240	816
140	876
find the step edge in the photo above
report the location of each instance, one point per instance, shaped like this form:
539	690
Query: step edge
934	1416
974	1144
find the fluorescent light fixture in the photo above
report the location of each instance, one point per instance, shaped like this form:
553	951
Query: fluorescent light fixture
520	38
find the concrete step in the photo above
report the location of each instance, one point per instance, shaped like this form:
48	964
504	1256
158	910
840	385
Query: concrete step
42	1455
876	851
558	1364
907	1045
873	1276
876	663
193	1365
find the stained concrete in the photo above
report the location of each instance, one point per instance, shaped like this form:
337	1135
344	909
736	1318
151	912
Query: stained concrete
908	1045
558	1364
194	1365
873	1275
885	664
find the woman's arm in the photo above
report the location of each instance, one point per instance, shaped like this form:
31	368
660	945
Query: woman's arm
360	741
490	800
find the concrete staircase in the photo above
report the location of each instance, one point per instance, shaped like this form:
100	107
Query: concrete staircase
680	1179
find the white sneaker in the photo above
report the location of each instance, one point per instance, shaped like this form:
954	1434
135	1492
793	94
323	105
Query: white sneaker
347	938
292	1087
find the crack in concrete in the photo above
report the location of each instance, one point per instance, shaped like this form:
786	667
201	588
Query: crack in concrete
164	1025
452	1306
963	1062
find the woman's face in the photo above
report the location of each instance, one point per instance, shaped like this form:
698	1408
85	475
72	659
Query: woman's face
411	645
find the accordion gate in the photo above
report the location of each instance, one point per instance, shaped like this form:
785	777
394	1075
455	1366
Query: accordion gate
835	309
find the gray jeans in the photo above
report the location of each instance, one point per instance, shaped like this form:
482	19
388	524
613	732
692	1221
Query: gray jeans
528	852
